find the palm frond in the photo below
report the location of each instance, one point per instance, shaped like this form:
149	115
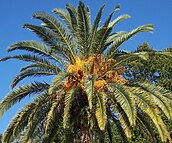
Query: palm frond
94	28
159	99
57	82
73	17
36	48
145	126
46	35
19	93
41	62
83	29
36	117
65	17
20	120
52	113
89	88
145	104
53	24
126	101
101	115
68	102
118	19
118	41
31	72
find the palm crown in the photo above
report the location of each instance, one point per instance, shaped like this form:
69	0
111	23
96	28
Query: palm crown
88	90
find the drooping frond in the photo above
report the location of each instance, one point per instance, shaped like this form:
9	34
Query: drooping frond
89	88
144	103
20	120
19	93
145	126
159	98
54	109
57	82
101	115
121	115
124	97
68	102
31	72
39	60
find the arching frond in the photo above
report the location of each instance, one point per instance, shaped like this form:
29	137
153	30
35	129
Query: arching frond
57	82
118	41
47	35
31	72
65	17
20	120
53	24
124	98
159	98
145	104
52	113
35	119
19	93
145	126
36	48
118	19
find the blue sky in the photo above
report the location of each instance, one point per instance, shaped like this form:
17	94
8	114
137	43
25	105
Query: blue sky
15	13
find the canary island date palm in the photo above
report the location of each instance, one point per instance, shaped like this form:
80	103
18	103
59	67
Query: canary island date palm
88	91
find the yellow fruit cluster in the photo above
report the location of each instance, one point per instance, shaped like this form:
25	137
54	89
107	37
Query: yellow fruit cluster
96	65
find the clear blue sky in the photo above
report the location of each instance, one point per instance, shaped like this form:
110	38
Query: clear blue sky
15	13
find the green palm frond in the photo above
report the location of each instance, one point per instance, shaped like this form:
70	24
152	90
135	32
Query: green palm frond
114	36
48	36
94	29
124	97
145	126
83	29
57	82
53	24
101	115
89	88
51	114
118	41
159	98
36	48
31	72
122	117
20	120
73	17
39	112
118	19
145	104
65	16
19	93
68	103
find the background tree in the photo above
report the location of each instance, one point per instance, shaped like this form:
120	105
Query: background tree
88	92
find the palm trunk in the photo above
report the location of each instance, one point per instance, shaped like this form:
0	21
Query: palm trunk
86	136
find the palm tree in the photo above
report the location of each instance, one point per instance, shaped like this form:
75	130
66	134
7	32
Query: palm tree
88	92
